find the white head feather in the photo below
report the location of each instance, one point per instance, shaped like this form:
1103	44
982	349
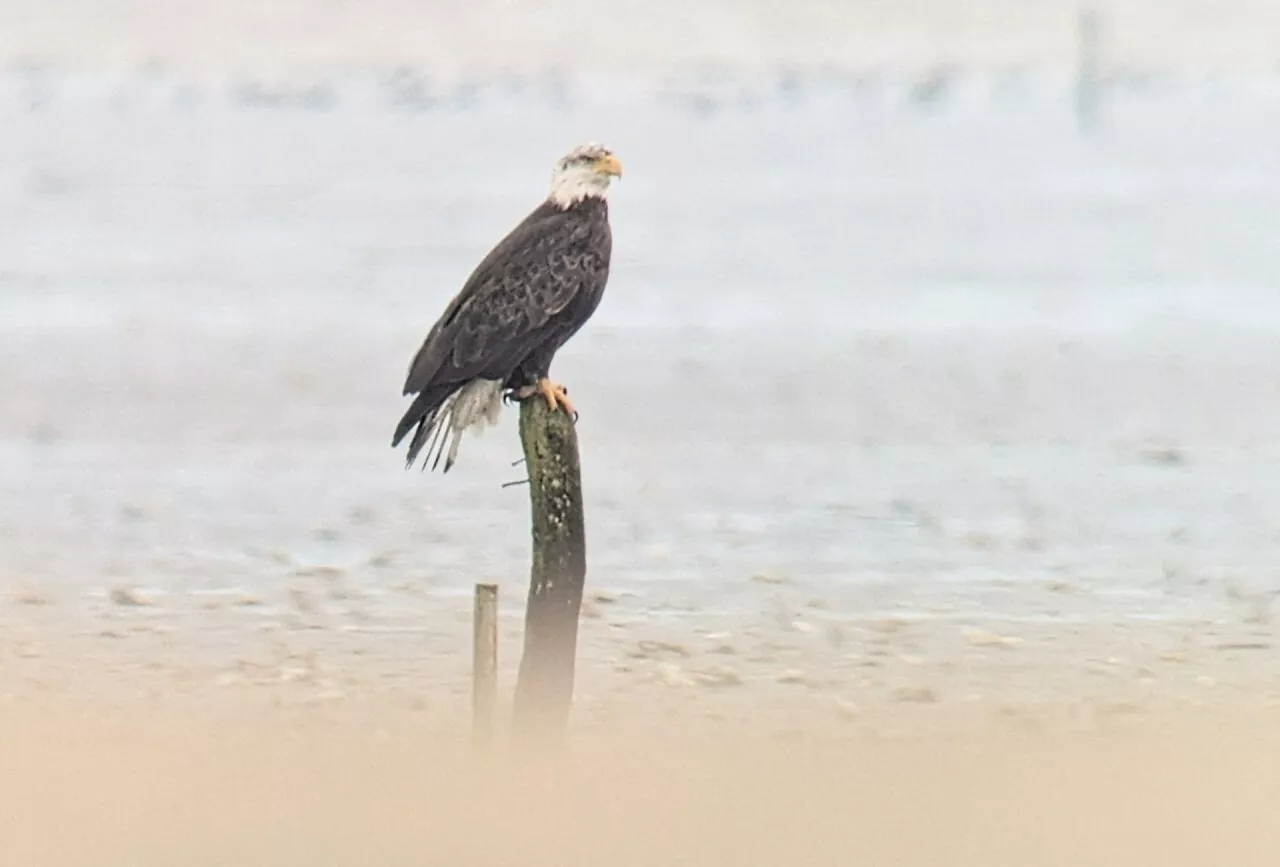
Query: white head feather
583	172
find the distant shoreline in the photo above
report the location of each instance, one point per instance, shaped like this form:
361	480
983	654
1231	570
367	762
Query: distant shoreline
493	37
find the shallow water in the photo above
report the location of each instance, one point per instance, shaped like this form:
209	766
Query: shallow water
921	359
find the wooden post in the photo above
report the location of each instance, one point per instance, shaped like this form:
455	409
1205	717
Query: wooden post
484	665
1088	74
544	688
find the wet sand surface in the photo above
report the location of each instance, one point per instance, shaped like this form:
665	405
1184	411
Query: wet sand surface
907	543
215	542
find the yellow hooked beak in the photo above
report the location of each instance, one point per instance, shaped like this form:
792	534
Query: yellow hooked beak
609	165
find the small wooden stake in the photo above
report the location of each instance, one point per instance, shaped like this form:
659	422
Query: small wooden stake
544	689
484	665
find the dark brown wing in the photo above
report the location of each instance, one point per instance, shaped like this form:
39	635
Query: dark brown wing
501	315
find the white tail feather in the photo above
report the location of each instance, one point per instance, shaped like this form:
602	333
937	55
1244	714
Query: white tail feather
478	405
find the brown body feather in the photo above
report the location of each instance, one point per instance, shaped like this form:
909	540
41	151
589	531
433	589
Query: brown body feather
528	296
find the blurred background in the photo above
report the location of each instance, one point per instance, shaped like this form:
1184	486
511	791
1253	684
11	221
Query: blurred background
955	321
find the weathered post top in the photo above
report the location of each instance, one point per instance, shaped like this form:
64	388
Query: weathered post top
544	689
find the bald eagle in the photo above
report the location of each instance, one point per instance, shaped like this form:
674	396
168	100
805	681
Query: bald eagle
496	339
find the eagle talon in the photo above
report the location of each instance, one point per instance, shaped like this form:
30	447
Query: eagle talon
556	395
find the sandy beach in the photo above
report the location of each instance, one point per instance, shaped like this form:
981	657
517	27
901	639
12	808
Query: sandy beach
221	785
931	502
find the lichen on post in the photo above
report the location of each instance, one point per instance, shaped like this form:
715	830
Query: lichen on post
544	688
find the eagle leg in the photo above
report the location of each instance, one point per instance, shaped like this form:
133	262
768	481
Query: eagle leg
556	395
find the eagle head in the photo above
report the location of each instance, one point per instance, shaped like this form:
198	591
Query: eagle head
582	172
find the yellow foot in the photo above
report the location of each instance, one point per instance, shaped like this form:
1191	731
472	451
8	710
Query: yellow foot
555	394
